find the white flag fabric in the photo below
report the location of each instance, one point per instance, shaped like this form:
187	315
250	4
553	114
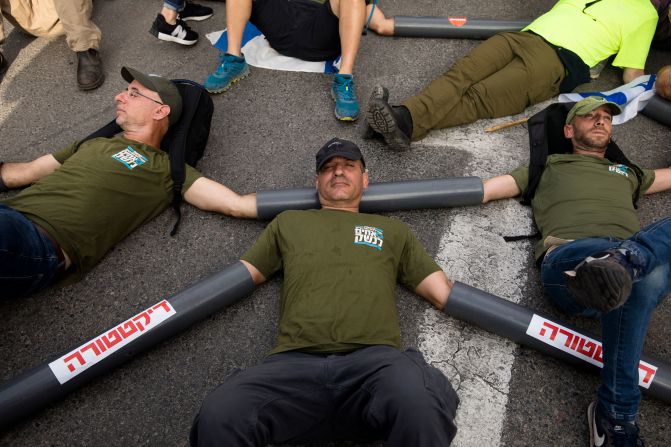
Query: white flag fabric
259	53
631	97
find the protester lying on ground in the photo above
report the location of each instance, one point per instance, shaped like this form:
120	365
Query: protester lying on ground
55	18
170	23
595	260
663	82
89	196
311	30
339	318
512	70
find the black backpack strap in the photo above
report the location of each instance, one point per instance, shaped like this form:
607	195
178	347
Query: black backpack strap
175	141
546	136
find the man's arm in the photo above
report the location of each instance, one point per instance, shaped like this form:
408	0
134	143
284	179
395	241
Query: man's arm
435	288
16	175
662	181
629	74
257	276
501	187
209	195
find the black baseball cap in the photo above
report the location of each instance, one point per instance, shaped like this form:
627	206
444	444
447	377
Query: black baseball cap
166	90
338	147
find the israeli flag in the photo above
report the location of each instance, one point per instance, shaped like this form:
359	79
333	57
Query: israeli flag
631	97
258	53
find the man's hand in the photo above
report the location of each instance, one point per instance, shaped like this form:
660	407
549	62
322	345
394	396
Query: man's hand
209	195
501	187
435	288
16	175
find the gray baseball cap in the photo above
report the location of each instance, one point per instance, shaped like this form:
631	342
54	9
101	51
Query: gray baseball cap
589	104
166	90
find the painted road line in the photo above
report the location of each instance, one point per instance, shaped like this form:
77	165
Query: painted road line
472	250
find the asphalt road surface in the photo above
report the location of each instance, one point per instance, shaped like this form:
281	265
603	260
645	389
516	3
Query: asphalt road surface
265	133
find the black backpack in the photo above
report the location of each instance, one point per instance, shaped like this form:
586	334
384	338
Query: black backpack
546	137
186	139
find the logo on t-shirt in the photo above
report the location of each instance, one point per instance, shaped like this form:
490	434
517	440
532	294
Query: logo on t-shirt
130	158
619	169
371	236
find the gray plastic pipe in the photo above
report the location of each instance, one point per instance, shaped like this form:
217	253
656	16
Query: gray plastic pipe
658	109
453	27
51	381
546	334
380	197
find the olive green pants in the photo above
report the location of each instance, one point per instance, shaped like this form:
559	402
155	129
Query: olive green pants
53	18
500	77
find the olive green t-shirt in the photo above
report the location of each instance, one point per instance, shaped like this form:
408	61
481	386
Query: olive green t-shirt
103	190
581	196
596	30
340	274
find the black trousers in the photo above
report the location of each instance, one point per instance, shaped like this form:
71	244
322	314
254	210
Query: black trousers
374	393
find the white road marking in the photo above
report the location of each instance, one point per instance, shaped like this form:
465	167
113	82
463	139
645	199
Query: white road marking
472	250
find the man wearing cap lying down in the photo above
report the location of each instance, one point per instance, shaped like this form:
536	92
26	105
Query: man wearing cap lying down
337	372
88	196
594	258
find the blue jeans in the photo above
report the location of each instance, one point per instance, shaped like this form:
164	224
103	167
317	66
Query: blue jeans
623	329
28	259
175	5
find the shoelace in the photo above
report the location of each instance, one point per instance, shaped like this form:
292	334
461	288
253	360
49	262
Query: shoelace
346	90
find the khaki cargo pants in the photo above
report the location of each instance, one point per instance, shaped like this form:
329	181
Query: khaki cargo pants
53	18
500	77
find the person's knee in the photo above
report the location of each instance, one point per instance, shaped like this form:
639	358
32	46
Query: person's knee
663	83
653	287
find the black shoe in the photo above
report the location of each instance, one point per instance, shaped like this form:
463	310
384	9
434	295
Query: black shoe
394	125
378	92
179	32
196	12
603	281
89	69
604	432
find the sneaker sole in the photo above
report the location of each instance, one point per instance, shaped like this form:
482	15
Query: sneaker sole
346	118
590	424
229	85
171	38
381	120
196	18
600	285
379	92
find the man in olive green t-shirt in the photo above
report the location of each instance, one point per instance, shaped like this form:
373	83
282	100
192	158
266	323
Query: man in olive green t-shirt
595	259
513	70
337	372
90	195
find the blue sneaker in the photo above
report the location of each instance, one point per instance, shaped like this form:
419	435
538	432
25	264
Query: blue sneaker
604	432
230	70
346	104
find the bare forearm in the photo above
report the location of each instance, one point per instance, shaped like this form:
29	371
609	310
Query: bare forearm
629	74
501	187
435	288
16	175
209	195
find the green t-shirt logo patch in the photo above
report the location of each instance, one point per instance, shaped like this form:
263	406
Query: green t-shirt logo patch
619	169
371	236
130	158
